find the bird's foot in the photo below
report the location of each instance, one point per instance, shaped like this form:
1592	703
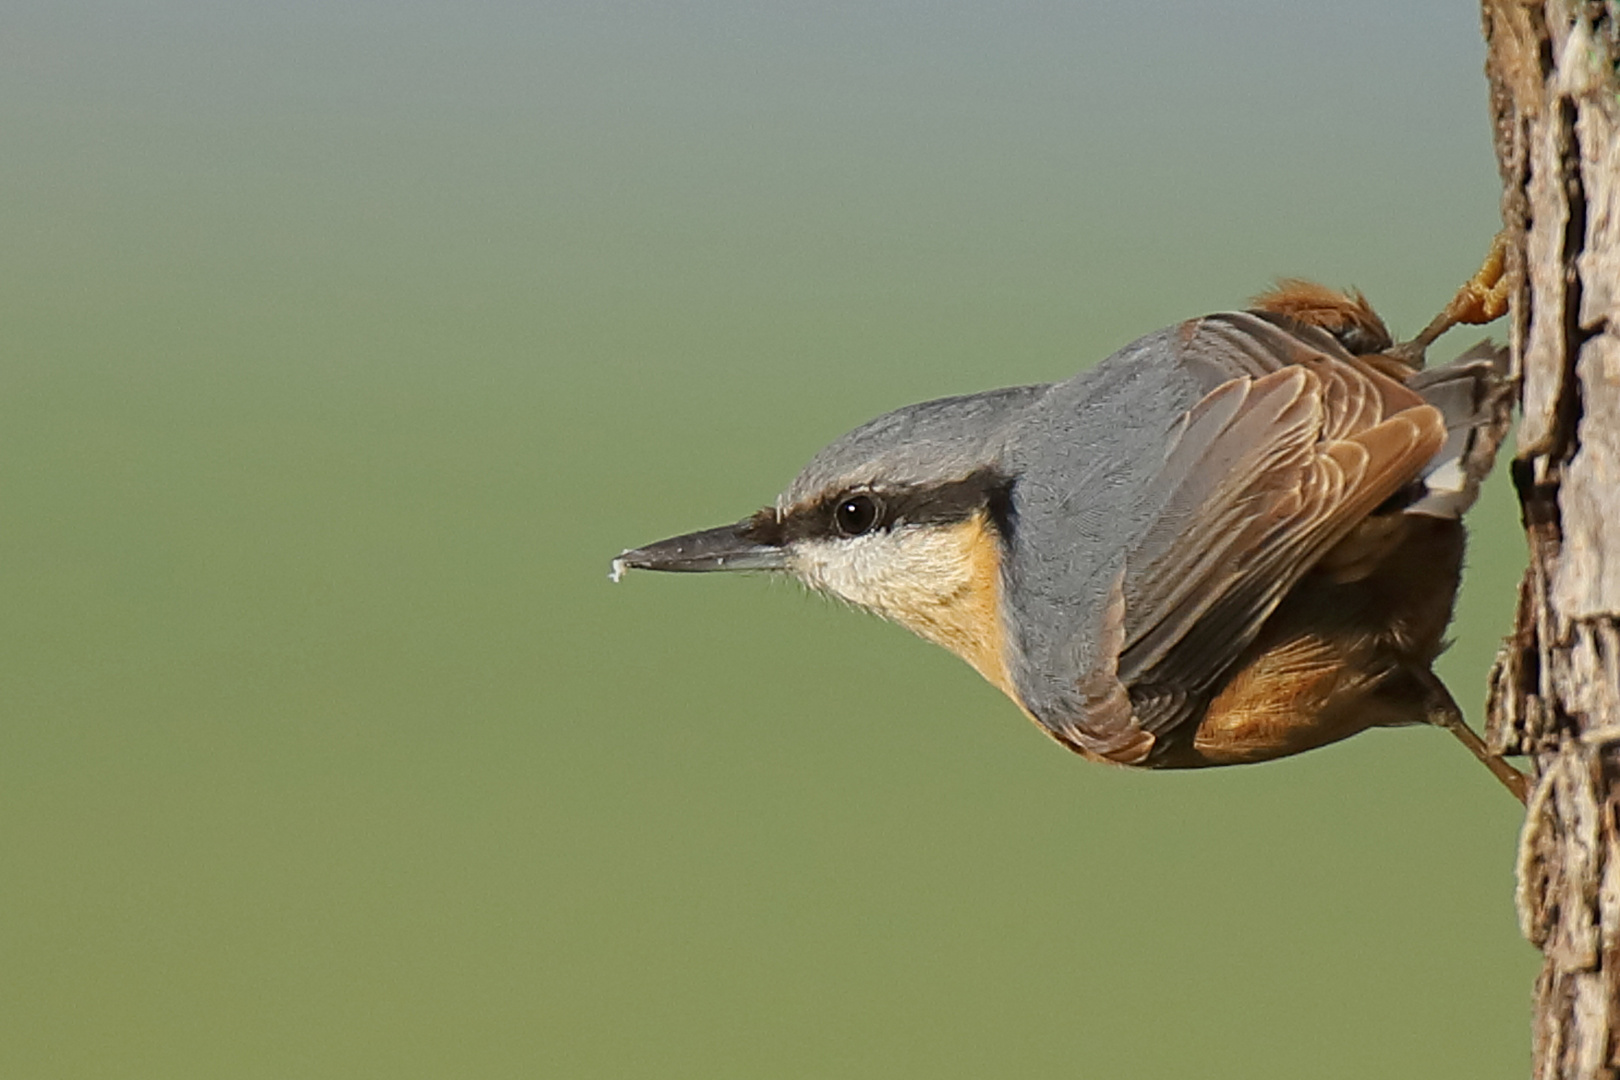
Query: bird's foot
1482	299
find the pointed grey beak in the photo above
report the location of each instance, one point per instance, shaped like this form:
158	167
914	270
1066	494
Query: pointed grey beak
730	547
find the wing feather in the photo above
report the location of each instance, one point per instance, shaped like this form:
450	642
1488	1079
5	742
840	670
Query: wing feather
1293	446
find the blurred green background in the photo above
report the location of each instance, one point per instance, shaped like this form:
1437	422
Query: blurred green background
342	345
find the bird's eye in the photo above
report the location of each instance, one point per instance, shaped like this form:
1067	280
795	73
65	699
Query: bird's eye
857	514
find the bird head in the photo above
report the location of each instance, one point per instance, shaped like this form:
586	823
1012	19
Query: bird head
907	516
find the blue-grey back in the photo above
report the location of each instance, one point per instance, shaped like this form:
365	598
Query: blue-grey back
1086	458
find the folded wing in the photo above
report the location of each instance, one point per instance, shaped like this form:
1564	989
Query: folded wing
1294	445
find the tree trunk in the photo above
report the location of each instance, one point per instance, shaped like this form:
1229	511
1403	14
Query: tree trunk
1555	693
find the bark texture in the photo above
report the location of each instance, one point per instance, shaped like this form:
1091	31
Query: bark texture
1555	694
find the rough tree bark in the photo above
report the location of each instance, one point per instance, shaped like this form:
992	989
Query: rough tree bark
1555	693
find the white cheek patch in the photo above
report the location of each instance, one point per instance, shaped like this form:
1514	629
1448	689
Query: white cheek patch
845	568
888	572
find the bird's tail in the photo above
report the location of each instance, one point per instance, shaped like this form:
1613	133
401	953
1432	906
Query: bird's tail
1475	397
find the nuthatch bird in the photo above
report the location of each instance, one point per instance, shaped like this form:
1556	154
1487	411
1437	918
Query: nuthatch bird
1236	539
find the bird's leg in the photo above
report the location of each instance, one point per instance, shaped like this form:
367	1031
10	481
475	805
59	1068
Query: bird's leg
1443	712
1482	299
1516	782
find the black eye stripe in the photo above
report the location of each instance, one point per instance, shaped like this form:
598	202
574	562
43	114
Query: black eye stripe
985	490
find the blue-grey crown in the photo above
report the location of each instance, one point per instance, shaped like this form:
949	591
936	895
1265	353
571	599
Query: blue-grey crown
919	445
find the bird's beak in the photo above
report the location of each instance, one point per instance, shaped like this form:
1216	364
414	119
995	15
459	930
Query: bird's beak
730	547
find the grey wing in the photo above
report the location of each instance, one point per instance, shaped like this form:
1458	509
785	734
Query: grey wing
1294	445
